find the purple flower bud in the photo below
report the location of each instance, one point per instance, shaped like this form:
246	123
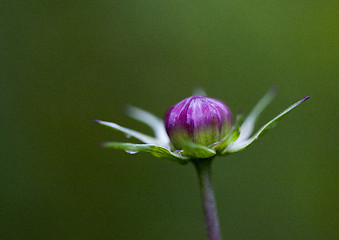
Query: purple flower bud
198	119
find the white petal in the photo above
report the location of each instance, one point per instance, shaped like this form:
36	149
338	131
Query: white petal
240	145
142	137
152	121
247	127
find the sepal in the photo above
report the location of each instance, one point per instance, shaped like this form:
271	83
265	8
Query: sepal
152	121
129	132
247	126
194	151
240	144
155	150
221	147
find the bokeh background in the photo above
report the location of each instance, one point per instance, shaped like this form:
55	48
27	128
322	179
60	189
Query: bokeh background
65	63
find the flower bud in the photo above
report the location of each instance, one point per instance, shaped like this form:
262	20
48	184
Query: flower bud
198	119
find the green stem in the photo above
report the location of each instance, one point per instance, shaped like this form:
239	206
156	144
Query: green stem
203	167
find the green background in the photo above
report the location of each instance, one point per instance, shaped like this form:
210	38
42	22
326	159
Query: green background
65	63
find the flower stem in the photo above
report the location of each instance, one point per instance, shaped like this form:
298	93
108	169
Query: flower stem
203	167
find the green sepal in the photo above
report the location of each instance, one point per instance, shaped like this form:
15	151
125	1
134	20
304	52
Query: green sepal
155	150
129	132
199	91
242	144
193	150
220	148
248	124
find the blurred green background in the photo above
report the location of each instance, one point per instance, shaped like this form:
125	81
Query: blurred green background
66	63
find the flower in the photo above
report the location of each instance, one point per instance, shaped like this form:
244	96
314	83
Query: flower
201	120
195	128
